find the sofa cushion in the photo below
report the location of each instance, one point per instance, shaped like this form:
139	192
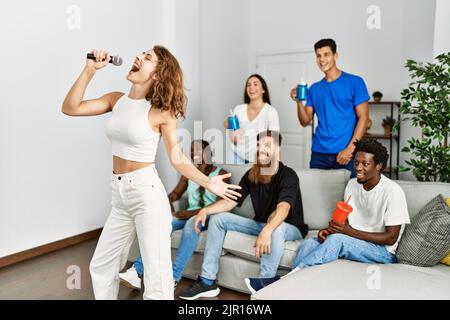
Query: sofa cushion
176	238
233	270
242	245
446	259
344	279
320	190
427	239
418	194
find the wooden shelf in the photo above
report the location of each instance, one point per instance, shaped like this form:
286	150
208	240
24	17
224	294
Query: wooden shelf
388	170
385	102
380	136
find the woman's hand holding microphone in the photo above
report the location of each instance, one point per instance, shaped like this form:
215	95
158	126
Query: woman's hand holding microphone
102	58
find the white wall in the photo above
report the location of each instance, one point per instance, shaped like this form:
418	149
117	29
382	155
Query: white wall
376	55
55	169
283	26
442	27
184	42
379	55
223	59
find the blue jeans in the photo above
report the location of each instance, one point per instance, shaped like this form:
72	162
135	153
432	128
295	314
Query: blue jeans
188	243
220	223
328	161
311	252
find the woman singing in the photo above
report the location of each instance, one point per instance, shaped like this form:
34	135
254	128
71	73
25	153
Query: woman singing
139	201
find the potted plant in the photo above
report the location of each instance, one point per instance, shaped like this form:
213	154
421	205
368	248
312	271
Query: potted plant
388	124
426	104
377	95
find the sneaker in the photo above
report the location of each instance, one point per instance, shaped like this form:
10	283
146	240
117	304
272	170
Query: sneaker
130	279
199	290
256	284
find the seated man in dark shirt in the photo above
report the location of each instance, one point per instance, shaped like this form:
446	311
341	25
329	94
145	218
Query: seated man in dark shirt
275	193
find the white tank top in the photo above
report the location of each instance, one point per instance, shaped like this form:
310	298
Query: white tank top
129	131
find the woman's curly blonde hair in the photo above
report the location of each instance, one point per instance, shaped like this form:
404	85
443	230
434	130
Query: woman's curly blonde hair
167	90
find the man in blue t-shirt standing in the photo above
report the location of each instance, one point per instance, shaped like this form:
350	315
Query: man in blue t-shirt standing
340	101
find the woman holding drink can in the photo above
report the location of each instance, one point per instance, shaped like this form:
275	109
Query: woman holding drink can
248	119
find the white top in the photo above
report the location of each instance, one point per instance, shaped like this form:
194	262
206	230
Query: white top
384	205
267	118
130	132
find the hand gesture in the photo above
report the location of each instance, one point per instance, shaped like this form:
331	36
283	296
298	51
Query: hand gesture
262	244
323	234
344	157
294	94
224	190
183	214
200	217
336	227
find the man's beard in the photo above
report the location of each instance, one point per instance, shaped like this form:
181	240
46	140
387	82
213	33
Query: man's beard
262	172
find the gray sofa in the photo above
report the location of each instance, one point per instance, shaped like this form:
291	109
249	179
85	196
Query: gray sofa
338	280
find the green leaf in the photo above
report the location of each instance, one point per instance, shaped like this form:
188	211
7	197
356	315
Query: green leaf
425	102
404	169
406	149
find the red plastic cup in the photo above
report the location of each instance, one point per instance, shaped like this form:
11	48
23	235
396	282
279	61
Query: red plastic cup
341	212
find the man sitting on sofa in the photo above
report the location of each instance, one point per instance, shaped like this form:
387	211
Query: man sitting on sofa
374	227
275	193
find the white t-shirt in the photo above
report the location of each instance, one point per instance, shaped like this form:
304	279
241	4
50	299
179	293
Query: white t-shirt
267	118
384	205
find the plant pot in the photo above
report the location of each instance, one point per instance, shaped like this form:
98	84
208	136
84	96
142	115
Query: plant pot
387	131
376	99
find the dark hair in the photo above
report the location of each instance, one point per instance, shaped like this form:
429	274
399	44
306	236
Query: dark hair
209	166
265	97
368	145
167	91
276	135
255	175
325	43
205	148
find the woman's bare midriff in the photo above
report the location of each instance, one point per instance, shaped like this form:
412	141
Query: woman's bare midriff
121	166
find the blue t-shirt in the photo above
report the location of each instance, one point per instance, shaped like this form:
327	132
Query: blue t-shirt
334	103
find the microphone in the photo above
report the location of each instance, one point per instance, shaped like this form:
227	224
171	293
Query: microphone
115	60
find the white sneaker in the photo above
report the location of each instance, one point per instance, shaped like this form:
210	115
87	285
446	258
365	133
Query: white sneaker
130	279
290	273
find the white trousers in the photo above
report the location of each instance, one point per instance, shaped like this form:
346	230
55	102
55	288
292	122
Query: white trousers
139	205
